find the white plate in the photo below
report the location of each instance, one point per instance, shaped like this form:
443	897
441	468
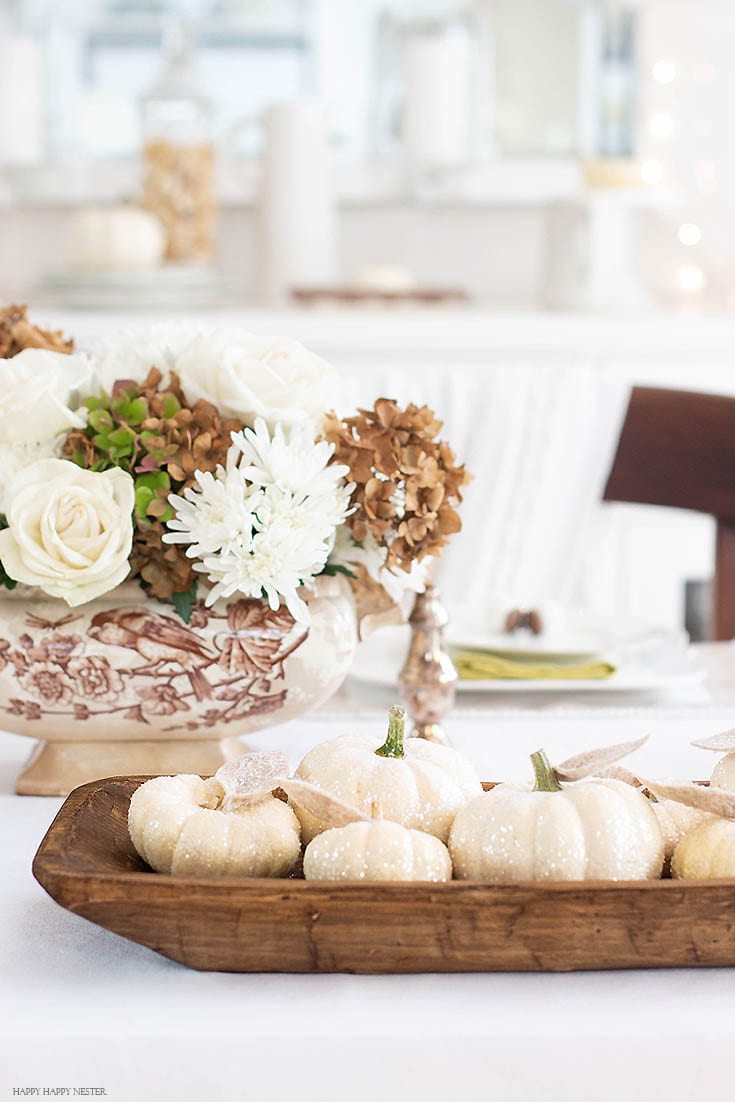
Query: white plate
579	636
668	666
577	646
170	286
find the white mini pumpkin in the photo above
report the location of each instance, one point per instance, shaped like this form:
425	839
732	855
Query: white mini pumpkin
723	774
116	237
177	826
377	850
590	829
410	781
707	852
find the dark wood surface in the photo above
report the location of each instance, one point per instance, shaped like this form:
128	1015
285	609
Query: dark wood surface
87	864
677	448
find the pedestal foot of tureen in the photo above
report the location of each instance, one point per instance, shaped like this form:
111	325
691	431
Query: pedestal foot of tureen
55	768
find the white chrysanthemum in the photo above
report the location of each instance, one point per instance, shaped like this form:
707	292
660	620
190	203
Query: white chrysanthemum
369	553
265	525
274	563
211	517
397	583
294	462
349	554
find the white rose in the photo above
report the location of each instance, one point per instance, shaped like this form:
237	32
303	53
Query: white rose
70	530
39	395
131	353
247	377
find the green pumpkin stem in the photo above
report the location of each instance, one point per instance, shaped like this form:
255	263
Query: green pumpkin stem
393	746
544	773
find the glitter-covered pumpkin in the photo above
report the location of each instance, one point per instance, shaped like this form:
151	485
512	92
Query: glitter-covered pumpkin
178	826
377	850
410	781
592	829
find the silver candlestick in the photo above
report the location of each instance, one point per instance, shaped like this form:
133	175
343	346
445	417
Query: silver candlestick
428	678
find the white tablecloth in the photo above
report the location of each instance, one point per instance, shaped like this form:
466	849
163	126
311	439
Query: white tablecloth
84	1008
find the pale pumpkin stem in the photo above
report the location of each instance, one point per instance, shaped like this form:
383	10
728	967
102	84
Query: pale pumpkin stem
393	746
544	773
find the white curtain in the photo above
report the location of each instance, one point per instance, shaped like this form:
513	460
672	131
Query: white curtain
540	439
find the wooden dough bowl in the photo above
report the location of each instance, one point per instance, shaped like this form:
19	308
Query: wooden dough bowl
87	864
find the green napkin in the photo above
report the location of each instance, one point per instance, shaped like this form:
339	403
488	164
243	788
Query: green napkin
482	665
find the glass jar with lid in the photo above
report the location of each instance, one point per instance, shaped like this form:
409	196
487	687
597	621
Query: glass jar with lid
178	154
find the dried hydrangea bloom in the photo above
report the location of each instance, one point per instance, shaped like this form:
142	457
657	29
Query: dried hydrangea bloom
407	483
167	435
18	333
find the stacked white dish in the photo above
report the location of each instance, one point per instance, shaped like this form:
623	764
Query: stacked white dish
645	659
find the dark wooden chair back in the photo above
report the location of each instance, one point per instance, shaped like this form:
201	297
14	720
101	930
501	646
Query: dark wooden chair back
677	448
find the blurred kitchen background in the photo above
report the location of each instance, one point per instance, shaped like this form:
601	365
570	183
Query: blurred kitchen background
522	153
396	183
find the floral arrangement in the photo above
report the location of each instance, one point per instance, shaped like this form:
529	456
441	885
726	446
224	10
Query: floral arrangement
208	463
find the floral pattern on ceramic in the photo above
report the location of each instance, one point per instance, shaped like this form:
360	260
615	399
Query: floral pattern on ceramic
125	667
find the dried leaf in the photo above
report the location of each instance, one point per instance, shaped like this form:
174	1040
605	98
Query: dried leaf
18	333
248	779
705	798
620	773
375	609
323	806
723	743
589	763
